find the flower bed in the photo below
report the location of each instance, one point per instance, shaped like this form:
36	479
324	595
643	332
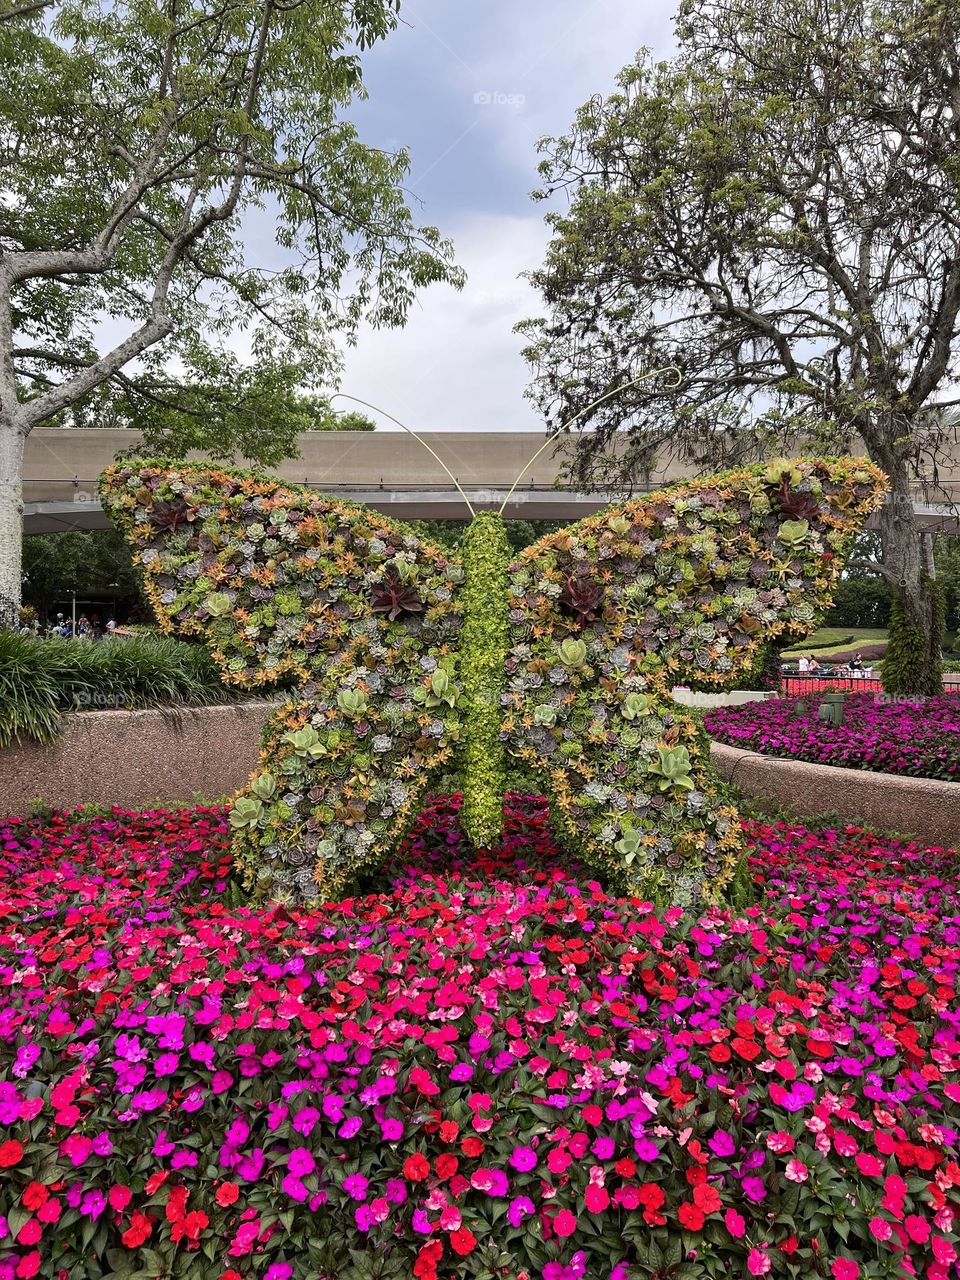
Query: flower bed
490	1069
920	740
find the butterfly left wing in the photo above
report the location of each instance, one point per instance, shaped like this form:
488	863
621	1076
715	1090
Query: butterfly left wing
355	611
609	614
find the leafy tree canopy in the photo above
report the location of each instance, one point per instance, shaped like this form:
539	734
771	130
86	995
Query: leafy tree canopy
776	213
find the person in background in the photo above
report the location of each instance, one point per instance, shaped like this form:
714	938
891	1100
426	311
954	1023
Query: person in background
804	665
857	663
83	627
813	665
111	626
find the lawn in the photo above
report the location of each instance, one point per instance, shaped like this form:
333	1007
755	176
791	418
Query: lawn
828	641
491	1067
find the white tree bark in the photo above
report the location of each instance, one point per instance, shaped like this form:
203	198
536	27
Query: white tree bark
11	517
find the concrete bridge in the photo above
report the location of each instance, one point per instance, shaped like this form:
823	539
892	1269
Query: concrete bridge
389	471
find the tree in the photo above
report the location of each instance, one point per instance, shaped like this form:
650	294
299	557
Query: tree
139	143
57	565
774	212
256	416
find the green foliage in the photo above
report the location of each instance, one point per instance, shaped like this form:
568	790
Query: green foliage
908	652
486	636
861	600
40	679
709	205
253	412
55	565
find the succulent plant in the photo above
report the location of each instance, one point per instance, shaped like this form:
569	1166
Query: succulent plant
352	702
796	504
673	766
264	786
395	598
305	742
246	813
793	533
441	689
169	516
635	705
582	597
780	471
218	604
545	715
573	653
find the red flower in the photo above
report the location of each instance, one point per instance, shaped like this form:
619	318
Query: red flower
226	1194
473	1147
425	1267
119	1197
34	1195
156	1181
416	1167
138	1231
463	1241
30	1232
446	1165
11	1152
449	1131
29	1265
706	1198
177	1203
691	1218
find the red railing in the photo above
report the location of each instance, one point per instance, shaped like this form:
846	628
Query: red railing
820	680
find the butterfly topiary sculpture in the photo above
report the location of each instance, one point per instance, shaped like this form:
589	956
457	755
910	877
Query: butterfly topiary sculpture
416	669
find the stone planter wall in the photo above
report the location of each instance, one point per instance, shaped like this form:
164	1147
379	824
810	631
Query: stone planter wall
136	758
921	807
731	698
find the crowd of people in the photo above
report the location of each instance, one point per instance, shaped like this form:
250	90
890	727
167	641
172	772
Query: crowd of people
85	629
809	666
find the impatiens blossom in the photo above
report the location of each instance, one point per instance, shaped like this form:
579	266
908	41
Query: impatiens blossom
311	1103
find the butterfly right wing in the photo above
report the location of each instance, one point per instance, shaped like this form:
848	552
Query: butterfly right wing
608	614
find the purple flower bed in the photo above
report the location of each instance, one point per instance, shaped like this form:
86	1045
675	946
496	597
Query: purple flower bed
919	739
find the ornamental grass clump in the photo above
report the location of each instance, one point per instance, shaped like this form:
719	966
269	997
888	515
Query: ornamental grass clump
918	737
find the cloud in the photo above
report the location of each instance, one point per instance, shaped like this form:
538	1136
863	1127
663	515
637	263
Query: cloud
471	89
456	366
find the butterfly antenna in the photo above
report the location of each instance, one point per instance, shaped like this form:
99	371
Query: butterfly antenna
583	412
340	395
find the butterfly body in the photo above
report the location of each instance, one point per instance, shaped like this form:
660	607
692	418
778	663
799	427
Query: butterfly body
415	669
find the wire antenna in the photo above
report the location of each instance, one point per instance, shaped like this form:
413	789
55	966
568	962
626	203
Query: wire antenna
583	412
340	395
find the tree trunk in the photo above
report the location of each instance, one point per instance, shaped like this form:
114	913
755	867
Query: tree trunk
11	523
913	666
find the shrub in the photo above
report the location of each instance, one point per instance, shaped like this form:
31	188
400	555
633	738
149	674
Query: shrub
42	678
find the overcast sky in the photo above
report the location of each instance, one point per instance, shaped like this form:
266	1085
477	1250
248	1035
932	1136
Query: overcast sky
469	86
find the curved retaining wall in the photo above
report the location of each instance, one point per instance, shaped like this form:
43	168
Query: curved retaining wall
922	807
136	758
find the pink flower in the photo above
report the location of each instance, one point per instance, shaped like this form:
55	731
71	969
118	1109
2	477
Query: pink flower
300	1162
758	1263
734	1223
565	1223
797	1171
844	1269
